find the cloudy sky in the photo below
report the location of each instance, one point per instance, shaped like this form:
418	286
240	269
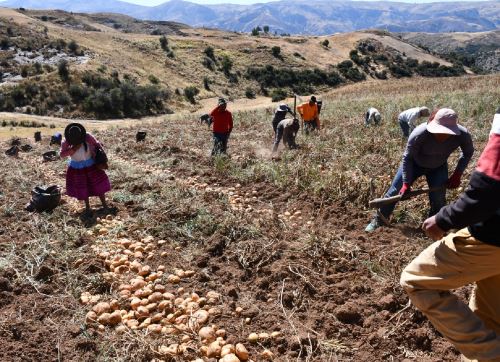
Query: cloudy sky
156	2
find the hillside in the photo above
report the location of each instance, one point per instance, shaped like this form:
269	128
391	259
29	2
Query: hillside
480	50
301	17
113	67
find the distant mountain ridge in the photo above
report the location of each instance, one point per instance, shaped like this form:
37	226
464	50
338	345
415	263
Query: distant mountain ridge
299	16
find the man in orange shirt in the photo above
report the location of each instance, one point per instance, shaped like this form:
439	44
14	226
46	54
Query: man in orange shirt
310	115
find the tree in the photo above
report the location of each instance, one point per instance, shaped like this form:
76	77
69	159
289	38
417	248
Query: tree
266	29
63	70
255	32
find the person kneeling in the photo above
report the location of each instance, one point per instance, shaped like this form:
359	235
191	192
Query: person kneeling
287	129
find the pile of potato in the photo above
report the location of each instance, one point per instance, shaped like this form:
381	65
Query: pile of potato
151	302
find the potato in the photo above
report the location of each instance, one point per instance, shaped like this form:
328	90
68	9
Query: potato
142	312
154	328
220	333
171	350
135	303
238	310
241	352
168	296
263	336
120	329
155	297
253	337
115	318
214	350
267	354
229	358
151	307
90	317
114	304
173	279
157	318
207	334
104	319
165	305
101	308
227	349
132	323
275	334
160	288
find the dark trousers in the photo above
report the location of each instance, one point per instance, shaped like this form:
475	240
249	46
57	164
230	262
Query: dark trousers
220	143
406	128
435	177
288	138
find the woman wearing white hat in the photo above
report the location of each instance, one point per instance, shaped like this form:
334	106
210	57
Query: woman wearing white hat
426	154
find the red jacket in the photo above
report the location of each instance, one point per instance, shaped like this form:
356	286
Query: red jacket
223	121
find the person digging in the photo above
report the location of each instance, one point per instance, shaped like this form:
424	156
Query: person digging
372	116
469	255
427	152
408	118
83	178
287	130
222	126
310	115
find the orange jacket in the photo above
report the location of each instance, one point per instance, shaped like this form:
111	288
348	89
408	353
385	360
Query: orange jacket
309	113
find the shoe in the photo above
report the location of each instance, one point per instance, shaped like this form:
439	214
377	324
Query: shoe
373	225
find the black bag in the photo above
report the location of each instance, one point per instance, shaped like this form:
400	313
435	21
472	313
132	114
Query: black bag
44	198
101	159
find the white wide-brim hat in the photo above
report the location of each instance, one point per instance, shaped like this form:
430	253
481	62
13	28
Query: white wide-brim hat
444	122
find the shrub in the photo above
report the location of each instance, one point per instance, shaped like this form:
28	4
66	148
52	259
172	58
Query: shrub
24	71
63	70
4	44
249	93
61	98
266	29
31	89
226	64
354	56
278	95
73	47
209	52
206	83
77	92
255	32
164	43
276	51
208	63
190	92
353	74
325	43
346	64
38	68
400	71
153	79
381	75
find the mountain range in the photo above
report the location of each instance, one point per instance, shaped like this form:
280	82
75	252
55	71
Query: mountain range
300	16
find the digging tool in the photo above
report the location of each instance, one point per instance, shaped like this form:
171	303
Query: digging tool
378	203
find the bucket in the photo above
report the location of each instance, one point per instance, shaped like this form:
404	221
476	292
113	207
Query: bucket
38	136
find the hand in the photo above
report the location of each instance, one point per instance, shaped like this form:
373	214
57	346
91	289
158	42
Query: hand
404	191
454	180
431	228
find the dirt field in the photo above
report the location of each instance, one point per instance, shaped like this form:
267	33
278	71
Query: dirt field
247	244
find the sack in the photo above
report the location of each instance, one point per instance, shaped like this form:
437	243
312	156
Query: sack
101	159
44	198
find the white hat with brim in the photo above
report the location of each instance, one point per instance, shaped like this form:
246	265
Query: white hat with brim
444	122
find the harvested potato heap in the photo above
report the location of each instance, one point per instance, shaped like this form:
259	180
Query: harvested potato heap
151	303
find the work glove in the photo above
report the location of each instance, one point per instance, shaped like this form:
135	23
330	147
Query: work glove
454	180
405	190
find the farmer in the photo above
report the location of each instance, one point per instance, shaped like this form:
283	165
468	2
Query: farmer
469	255
427	152
372	116
280	114
287	129
310	115
408	118
222	127
83	178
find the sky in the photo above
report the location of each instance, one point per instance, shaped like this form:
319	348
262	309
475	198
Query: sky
157	2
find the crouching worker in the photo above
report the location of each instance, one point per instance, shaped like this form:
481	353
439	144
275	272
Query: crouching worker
372	116
426	154
83	178
310	115
408	119
222	126
280	114
287	129
469	255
